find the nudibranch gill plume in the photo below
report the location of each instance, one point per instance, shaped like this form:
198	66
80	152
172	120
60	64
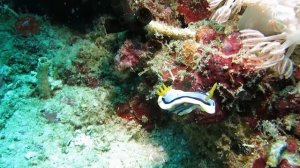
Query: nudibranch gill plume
181	103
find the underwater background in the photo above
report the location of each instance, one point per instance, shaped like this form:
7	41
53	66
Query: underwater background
149	84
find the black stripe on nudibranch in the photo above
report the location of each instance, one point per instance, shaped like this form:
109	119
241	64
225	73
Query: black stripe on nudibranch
181	108
203	101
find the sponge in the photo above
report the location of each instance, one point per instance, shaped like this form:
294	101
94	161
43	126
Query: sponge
43	84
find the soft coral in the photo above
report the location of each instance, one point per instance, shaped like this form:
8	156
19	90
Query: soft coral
272	17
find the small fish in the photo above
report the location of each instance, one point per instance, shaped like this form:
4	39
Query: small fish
181	103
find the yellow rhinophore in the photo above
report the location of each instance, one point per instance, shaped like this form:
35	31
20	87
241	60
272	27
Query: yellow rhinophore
211	92
163	90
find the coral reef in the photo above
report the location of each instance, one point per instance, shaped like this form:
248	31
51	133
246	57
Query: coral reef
89	99
248	95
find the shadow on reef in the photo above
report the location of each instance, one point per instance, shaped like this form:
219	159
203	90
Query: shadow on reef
79	15
76	14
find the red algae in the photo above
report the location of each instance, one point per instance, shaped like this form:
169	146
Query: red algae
139	111
297	73
166	75
285	164
259	163
292	145
129	55
193	11
205	34
232	44
27	25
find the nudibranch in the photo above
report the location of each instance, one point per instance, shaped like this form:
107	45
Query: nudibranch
181	103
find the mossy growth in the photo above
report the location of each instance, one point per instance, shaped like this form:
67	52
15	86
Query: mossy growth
220	28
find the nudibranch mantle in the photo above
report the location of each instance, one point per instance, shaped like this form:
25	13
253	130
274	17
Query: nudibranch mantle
181	103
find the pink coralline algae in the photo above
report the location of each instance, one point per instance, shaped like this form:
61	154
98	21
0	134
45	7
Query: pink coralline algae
223	71
91	81
286	105
129	55
161	12
285	164
234	80
270	106
166	75
205	34
259	163
297	73
231	44
292	145
82	75
140	111
27	25
193	11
